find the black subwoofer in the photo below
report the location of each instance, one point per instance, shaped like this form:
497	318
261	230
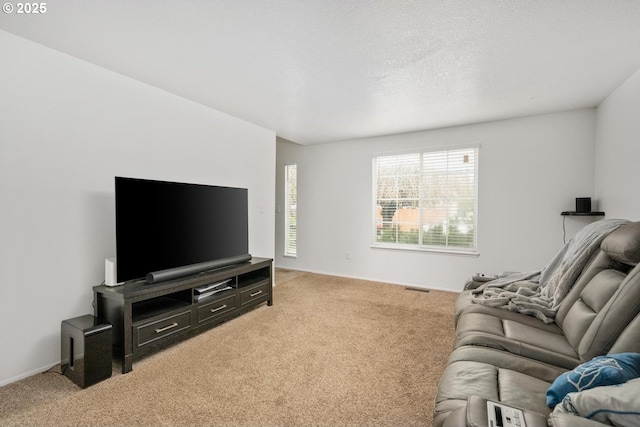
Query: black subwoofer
86	353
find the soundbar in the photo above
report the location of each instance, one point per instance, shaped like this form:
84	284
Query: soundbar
187	270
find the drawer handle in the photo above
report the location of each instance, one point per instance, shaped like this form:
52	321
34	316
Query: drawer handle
166	328
256	294
222	307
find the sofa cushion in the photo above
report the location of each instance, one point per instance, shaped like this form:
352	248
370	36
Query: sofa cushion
600	371
523	335
617	405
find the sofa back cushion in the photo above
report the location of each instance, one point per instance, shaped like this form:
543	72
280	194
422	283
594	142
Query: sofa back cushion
593	298
606	298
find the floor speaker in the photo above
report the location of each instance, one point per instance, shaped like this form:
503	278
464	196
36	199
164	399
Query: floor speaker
86	353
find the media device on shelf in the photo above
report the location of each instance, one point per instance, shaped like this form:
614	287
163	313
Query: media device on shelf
205	291
110	272
166	230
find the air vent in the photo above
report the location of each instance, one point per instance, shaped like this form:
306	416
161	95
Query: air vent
409	288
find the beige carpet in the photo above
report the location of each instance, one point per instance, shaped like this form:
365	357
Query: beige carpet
283	275
330	352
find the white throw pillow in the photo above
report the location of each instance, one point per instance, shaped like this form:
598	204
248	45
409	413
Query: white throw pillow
617	405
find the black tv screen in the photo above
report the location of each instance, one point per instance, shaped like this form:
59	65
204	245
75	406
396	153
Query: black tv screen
162	225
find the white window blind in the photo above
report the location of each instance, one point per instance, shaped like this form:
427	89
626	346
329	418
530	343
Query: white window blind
426	200
291	202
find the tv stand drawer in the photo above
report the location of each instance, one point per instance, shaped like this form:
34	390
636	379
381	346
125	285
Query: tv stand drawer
150	332
255	293
216	308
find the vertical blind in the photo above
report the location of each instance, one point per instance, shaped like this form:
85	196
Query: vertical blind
291	204
426	200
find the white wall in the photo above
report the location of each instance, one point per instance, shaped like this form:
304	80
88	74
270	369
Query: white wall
618	150
66	129
531	169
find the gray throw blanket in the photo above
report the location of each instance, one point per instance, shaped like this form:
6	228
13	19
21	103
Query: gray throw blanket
539	293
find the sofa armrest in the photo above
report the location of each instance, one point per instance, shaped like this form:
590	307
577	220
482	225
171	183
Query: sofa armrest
475	415
457	418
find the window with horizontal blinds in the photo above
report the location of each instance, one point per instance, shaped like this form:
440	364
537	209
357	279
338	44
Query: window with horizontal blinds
426	200
291	202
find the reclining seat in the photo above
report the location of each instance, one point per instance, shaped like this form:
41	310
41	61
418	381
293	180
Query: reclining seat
505	377
581	243
465	302
602	302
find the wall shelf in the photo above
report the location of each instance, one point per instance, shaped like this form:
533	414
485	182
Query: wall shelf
574	213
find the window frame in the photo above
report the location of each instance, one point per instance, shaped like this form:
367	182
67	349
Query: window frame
447	249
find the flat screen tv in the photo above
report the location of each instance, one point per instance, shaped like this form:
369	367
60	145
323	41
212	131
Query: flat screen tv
175	229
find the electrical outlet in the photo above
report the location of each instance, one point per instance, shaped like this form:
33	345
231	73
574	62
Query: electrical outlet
347	255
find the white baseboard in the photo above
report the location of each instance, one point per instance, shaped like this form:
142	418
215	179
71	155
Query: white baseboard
28	374
371	279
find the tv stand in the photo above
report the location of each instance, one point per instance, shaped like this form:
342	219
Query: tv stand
148	317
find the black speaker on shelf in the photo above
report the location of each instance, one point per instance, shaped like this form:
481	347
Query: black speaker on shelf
583	204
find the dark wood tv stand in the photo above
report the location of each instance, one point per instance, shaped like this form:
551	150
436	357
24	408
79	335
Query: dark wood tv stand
147	317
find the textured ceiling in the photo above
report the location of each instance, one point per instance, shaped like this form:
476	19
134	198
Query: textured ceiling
325	70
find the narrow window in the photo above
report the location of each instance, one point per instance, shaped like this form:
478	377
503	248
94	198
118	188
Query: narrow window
426	200
291	202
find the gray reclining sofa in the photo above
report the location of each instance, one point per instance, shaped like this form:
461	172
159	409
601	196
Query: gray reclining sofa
514	358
